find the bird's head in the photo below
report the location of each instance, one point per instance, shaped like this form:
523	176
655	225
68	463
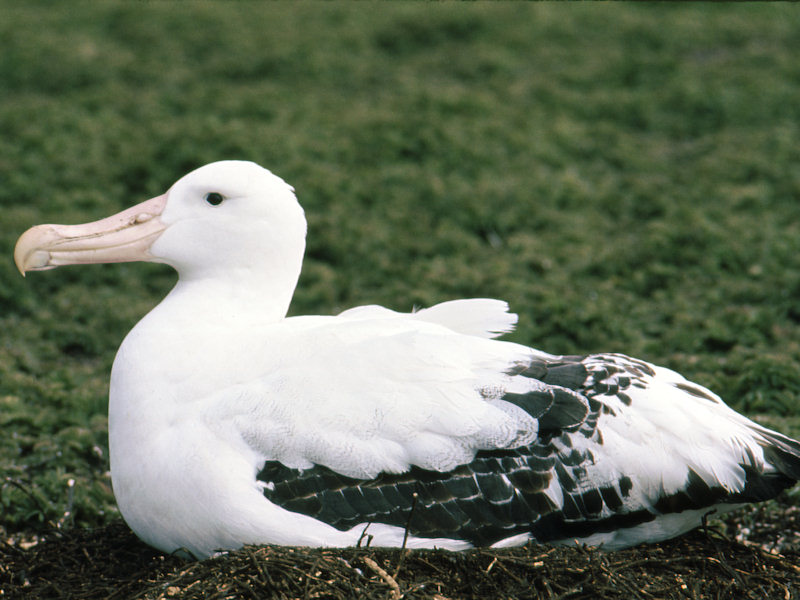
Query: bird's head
224	217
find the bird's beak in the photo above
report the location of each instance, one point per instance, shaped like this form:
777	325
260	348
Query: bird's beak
123	237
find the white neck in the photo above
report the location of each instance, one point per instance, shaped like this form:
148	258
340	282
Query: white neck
240	275
198	323
240	298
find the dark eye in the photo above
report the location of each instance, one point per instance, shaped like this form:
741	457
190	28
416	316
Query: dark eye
214	198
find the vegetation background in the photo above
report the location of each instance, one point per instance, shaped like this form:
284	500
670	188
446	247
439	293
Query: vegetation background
626	176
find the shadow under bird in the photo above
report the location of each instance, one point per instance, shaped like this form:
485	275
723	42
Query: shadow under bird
231	424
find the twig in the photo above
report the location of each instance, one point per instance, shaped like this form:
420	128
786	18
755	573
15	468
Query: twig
70	504
403	551
390	581
414	498
310	576
363	535
489	568
266	580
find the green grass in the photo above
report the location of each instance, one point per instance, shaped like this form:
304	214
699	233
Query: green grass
627	177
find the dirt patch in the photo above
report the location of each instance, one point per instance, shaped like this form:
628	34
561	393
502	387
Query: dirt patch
732	560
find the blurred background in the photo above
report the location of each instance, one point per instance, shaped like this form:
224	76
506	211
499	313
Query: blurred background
626	176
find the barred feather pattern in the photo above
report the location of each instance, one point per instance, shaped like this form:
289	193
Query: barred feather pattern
547	491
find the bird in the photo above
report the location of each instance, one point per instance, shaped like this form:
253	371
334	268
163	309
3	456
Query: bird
232	424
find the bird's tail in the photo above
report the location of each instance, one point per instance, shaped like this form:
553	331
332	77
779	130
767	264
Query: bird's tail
781	468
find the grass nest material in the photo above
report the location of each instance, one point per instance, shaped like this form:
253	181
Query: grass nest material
735	559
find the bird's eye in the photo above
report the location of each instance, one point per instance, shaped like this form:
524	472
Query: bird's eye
214	198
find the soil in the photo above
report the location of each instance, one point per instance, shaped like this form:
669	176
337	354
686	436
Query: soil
753	554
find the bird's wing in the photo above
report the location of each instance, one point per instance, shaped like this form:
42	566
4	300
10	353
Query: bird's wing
552	448
364	396
481	317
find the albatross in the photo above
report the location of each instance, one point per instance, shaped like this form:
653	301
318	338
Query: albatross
231	423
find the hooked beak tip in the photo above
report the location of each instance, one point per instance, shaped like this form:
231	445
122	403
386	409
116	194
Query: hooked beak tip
28	253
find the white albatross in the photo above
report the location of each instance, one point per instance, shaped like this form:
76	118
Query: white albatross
231	424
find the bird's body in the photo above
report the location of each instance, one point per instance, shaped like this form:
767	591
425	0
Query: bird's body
230	423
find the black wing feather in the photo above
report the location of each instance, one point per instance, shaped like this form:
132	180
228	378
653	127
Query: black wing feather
502	493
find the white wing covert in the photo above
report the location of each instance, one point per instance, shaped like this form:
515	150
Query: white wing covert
373	394
480	317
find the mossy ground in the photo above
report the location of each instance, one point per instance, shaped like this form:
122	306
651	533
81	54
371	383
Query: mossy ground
626	176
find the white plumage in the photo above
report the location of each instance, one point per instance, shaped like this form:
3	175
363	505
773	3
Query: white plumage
231	424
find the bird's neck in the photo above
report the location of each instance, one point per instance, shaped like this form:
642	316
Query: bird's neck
231	302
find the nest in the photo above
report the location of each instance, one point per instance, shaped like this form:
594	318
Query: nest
110	563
